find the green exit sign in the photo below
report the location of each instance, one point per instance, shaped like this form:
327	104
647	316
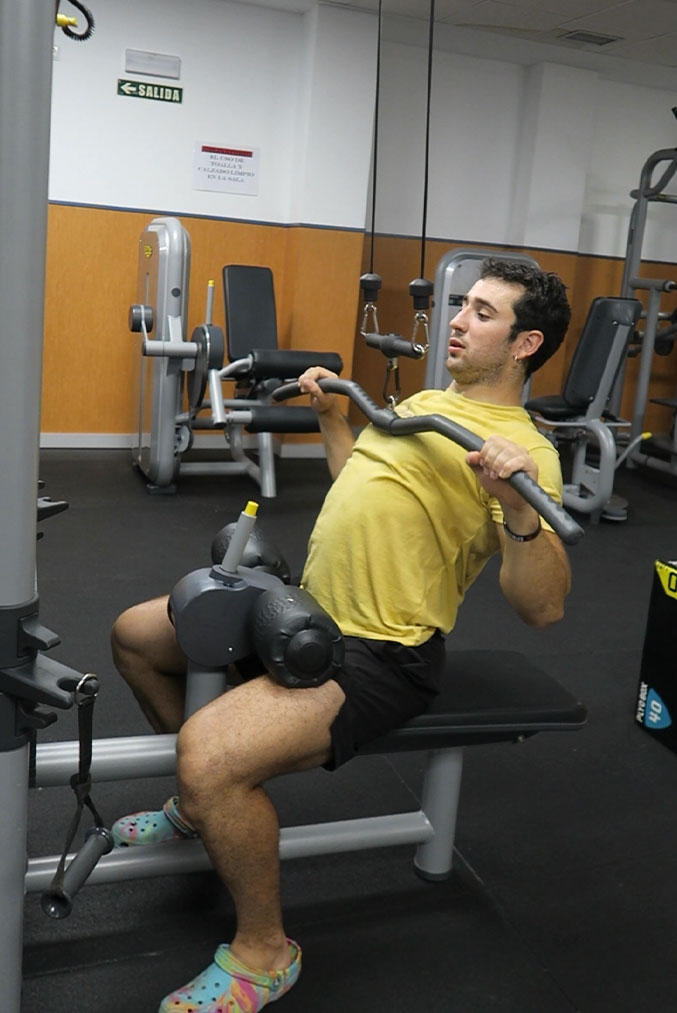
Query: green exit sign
155	92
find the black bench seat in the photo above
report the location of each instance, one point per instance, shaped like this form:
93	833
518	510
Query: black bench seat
487	696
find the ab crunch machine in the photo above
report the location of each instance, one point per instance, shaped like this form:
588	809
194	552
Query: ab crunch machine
223	613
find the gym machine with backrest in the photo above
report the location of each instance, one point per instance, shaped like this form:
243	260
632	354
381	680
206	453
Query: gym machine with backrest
579	417
180	381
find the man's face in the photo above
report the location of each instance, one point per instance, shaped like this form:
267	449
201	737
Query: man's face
479	345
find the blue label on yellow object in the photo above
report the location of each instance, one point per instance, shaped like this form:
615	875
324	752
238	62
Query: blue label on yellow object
656	714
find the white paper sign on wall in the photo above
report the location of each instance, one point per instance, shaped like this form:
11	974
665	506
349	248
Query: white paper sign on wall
226	168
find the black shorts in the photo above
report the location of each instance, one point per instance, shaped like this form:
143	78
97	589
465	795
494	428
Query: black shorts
385	684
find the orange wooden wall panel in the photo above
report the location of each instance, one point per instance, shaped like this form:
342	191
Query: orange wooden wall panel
88	349
398	261
92	254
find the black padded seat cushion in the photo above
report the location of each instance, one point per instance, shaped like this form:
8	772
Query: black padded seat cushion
553	407
487	696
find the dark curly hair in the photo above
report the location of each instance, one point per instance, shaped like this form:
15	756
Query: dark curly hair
542	307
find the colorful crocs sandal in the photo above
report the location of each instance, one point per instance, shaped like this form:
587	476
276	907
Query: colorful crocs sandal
157	827
228	986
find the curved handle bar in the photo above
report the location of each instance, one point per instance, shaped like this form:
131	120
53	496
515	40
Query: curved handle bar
383	418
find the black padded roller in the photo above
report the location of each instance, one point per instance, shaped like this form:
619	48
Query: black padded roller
291	363
299	419
298	642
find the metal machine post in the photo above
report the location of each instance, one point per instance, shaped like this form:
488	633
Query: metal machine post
27	679
26	34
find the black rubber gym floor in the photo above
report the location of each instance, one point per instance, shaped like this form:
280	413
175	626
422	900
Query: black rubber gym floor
564	888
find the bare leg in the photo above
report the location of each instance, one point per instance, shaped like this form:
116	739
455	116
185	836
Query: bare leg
225	753
150	661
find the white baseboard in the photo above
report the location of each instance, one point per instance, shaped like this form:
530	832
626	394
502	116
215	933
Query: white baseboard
124	441
85	441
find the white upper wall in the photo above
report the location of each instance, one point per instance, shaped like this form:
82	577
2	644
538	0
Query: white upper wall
521	153
540	147
631	123
247	74
472	155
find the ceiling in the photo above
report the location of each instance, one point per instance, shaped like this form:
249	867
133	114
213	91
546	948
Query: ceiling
644	31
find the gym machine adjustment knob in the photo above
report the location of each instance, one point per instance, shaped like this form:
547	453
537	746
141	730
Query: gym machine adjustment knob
140	317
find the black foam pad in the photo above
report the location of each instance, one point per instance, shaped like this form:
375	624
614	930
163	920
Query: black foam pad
288	419
288	365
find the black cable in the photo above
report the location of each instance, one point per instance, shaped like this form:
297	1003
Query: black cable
375	162
431	32
89	18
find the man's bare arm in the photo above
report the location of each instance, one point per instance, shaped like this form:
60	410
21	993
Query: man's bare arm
336	431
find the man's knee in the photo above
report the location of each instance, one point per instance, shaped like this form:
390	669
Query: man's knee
206	757
143	635
126	632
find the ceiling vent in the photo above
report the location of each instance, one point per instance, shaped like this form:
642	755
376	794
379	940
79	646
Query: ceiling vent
591	38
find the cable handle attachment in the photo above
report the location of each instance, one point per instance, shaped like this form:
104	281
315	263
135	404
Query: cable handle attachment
421	291
57	901
370	285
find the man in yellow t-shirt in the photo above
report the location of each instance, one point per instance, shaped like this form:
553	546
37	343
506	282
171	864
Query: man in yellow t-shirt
405	529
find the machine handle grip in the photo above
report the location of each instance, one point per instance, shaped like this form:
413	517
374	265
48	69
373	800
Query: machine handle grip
169	349
393	345
57	902
384	418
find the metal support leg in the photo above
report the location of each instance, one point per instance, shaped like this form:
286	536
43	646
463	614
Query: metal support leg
202	686
645	362
441	792
14	793
267	465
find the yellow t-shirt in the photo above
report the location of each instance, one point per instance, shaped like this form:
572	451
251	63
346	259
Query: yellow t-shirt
406	527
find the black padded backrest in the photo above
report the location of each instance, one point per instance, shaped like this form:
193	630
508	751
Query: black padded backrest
249	299
596	344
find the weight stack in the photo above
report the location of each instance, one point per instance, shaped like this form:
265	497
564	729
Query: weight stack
656	708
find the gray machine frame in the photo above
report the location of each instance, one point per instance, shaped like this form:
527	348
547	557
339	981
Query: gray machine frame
29	679
659	450
166	357
163	284
523	702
